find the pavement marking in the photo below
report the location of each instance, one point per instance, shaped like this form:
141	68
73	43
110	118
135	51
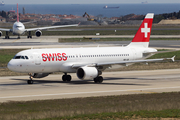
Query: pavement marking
75	93
143	91
15	40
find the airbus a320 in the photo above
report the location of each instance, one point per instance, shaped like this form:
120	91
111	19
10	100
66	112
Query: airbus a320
87	63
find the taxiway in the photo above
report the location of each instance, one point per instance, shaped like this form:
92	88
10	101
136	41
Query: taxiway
15	88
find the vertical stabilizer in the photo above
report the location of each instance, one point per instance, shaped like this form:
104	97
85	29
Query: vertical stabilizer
141	39
17	13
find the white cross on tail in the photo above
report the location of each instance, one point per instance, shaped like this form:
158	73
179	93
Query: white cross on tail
145	30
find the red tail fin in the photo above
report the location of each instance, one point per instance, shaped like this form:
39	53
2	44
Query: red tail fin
17	13
143	34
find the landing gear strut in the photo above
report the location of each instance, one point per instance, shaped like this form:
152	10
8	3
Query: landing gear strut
29	35
18	37
98	79
30	77
7	36
66	77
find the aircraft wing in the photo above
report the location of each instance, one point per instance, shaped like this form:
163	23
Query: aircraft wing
50	27
3	29
122	62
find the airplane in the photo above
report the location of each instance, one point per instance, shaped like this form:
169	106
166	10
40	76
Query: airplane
87	63
19	29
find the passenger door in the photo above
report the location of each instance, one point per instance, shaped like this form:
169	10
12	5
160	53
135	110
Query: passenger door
37	59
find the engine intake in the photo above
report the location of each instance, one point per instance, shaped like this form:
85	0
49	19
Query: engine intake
39	75
38	33
0	33
87	73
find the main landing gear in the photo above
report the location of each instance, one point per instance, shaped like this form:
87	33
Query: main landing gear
66	77
30	77
7	36
29	35
98	79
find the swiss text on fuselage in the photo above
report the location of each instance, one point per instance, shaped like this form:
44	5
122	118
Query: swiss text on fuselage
54	57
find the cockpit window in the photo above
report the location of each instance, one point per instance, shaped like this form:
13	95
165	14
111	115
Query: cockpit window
20	57
17	57
26	57
18	26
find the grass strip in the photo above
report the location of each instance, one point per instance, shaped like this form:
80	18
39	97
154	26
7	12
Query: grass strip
110	32
170	113
156	105
105	32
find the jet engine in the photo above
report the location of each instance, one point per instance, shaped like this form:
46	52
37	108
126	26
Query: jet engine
39	75
87	73
38	33
0	33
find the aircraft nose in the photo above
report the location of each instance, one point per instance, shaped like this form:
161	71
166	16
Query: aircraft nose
10	66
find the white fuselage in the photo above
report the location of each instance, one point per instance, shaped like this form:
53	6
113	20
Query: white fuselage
62	59
18	28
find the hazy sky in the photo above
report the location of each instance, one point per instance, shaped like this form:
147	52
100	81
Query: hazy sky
85	1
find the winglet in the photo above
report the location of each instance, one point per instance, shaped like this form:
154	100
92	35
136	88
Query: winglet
170	58
17	13
173	58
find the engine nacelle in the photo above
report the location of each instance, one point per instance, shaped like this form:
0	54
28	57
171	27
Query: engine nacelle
39	75
38	33
0	33
87	73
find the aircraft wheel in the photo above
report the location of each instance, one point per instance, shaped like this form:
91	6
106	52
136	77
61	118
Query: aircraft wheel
30	82
6	37
68	77
98	79
64	77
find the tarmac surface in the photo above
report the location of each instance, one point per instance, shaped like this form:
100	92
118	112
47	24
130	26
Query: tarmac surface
52	42
15	88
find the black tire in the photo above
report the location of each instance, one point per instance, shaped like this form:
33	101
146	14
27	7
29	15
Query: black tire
64	77
68	77
96	80
30	82
100	79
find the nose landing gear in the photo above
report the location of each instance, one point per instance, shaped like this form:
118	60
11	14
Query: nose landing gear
30	77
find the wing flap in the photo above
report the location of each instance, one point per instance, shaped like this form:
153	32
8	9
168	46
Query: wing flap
75	66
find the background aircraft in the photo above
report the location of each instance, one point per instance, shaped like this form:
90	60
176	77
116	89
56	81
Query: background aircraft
87	63
19	29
